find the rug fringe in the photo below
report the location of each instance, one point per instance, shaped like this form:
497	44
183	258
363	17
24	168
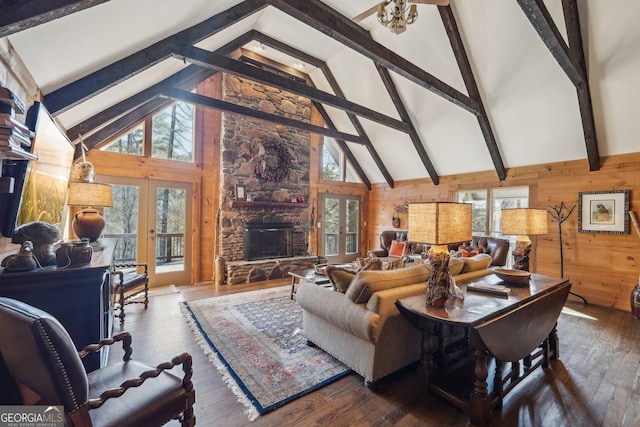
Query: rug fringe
250	410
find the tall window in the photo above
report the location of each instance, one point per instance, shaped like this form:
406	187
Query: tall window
488	204
130	143
171	134
334	165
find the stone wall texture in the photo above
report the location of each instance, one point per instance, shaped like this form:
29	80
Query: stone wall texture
272	163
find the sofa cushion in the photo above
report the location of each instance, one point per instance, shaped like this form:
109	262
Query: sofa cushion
398	248
367	282
455	266
341	277
476	262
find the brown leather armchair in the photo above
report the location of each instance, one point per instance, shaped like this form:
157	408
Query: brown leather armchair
45	369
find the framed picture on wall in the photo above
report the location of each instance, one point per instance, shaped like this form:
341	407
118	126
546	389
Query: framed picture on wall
241	194
603	212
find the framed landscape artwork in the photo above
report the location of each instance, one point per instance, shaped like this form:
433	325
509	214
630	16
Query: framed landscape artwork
603	212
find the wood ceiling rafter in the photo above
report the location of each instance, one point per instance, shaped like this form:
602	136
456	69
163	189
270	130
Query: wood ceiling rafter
321	17
316	62
29	13
218	62
451	27
92	84
392	90
186	78
317	15
572	61
217	104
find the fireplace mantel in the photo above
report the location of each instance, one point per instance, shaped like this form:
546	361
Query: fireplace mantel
245	204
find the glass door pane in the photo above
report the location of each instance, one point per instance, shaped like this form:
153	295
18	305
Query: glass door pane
169	220
341	228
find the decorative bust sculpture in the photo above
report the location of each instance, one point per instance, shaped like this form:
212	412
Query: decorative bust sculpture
43	235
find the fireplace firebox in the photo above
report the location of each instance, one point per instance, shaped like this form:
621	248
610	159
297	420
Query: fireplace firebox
268	240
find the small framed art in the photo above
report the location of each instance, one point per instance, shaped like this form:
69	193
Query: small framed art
603	212
241	194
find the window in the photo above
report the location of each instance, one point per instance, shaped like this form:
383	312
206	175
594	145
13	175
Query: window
334	165
130	143
488	205
172	133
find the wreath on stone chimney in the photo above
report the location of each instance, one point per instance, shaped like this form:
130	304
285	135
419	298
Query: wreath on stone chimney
274	160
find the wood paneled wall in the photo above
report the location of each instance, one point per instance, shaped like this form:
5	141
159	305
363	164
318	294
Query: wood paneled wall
603	268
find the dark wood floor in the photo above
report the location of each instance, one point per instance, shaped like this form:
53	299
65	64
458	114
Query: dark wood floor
596	382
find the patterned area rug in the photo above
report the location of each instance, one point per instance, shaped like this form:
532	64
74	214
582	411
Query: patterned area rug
255	340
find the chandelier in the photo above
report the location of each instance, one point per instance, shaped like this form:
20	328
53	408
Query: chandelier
397	14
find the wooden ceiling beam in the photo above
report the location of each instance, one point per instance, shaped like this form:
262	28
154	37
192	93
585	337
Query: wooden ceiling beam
542	22
572	23
92	84
451	27
404	114
321	17
205	101
186	78
213	60
572	60
16	16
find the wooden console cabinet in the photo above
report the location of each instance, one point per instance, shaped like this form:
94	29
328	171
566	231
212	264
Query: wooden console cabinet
80	298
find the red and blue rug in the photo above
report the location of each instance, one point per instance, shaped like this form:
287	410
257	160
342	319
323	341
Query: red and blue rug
255	340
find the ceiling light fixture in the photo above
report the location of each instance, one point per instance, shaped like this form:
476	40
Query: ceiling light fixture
397	14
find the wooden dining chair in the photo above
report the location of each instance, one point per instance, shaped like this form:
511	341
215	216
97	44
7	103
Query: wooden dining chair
44	368
127	284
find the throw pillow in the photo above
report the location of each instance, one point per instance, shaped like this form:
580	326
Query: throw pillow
398	248
367	282
455	266
477	262
341	277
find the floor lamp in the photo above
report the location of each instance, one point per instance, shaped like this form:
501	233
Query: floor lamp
557	212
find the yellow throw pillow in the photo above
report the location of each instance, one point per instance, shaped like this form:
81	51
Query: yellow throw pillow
477	262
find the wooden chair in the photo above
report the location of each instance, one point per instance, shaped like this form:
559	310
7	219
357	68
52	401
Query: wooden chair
127	285
45	369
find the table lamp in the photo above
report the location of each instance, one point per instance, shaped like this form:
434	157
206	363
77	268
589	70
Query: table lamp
89	223
439	224
523	222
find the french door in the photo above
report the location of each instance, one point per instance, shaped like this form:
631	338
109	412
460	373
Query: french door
152	221
340	227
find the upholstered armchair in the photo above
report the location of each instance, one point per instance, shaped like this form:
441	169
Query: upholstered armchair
45	369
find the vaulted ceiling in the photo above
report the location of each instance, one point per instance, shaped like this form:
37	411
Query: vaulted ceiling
474	86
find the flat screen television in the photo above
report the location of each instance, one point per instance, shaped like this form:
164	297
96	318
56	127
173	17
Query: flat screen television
41	185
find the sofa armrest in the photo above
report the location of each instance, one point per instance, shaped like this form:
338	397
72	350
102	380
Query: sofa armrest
335	308
384	302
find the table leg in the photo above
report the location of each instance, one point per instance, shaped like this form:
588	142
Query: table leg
293	286
426	359
554	343
480	401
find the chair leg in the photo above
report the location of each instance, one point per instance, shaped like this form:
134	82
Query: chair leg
122	301
146	294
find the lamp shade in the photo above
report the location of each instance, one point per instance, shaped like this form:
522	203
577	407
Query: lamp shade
89	194
524	221
439	223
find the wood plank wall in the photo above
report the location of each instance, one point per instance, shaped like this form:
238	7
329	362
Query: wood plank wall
603	268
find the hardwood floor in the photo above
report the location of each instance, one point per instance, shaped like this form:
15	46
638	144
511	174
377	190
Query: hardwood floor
596	382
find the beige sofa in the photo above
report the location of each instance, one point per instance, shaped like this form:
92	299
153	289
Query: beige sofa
362	327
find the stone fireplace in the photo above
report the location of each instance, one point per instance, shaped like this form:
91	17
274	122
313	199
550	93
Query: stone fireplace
267	241
271	163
